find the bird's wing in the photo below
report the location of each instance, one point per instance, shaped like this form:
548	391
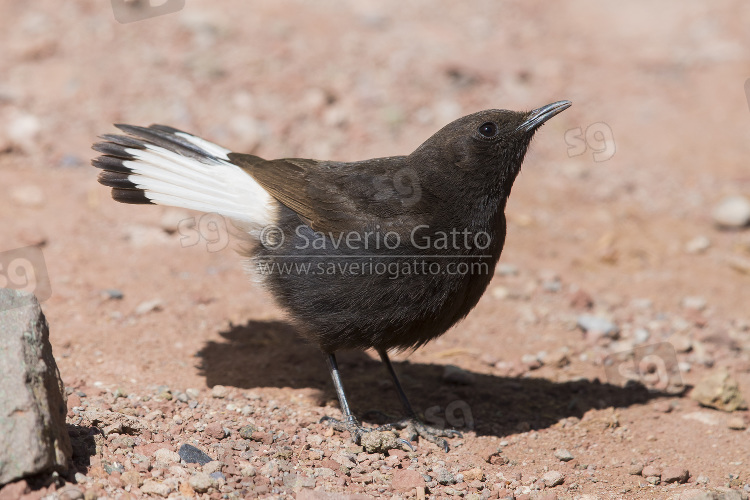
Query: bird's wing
334	197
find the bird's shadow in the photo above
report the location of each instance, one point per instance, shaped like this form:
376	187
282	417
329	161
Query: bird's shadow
271	354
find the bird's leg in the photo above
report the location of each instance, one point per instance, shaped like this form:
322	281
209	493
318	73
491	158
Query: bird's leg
350	422
412	423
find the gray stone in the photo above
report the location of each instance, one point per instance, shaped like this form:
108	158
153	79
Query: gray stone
732	212
443	476
192	455
563	455
455	375
597	325
33	435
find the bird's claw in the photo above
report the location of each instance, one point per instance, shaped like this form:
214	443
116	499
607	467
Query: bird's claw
356	430
416	428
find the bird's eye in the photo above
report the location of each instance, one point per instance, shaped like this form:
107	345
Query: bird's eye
488	129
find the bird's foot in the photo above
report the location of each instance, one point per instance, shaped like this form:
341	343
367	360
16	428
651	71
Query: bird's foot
416	428
356	431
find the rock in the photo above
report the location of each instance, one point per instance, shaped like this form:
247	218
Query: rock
531	361
110	422
739	264
344	460
506	270
694	303
674	475
201	482
563	455
213	466
719	390
635	469
153	487
248	471
33	434
641	335
553	478
67	493
737	423
132	478
215	430
148	306
112	294
407	480
28	196
443	476
732	212
557	359
192	455
295	481
651	470
22	130
455	375
597	326
246	431
219	392
166	456
379	441
681	342
699	244
475	474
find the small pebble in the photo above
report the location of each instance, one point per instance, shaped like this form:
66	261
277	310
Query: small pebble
148	306
651	470
694	303
553	478
675	475
219	392
200	482
166	456
443	476
563	455
192	455
112	294
732	212
455	375
597	325
215	430
737	423
699	244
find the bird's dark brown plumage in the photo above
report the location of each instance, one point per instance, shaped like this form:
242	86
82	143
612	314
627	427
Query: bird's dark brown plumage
456	182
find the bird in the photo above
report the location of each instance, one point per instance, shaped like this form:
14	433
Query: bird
384	254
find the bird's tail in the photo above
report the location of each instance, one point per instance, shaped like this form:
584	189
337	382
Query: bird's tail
165	166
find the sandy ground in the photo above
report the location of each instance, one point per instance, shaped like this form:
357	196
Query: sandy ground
610	217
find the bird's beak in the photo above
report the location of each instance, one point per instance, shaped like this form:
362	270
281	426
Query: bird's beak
537	117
